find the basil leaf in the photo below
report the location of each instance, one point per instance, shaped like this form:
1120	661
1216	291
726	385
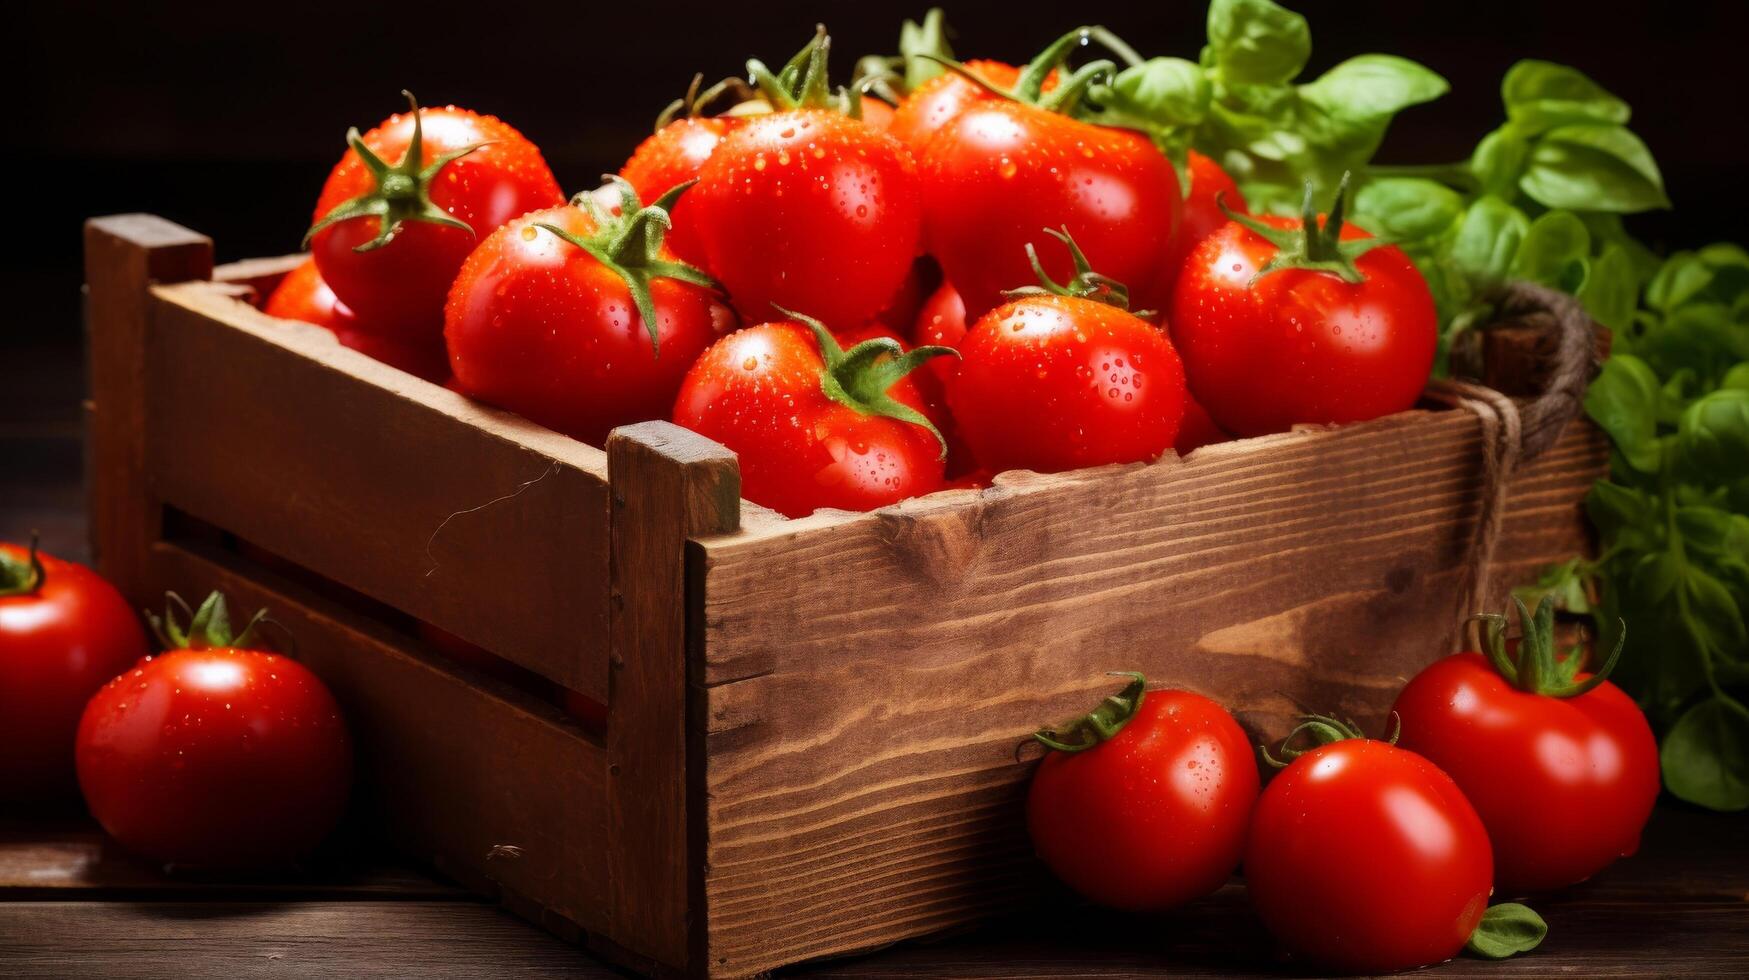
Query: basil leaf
1593	168
1553	244
1624	401
1736	378
1255	42
1506	930
1613	507
1713	435
1373	85
1164	92
1487	238
1540	95
1611	288
1705	757
1405	209
1499	160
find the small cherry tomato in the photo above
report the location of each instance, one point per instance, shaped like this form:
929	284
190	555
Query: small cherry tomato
63	632
1282	324
389	237
1560	764
1144	803
215	754
815	425
1366	858
579	319
1066	378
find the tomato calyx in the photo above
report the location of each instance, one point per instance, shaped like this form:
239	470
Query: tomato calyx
403	189
1323	730
1309	246
22	577
692	105
1028	89
1538	670
630	244
1084	284
802	82
922	47
1102	723
209	627
858	378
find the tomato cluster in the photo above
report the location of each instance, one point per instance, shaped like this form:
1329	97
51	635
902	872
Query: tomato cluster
1508	774
1167	319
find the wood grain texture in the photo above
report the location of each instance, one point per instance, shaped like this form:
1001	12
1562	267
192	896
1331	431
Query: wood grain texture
500	790
490	527
669	484
868	677
124	255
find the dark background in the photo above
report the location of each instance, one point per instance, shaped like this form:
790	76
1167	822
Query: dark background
226	117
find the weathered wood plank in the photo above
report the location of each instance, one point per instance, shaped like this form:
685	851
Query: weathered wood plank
1314	568
488	526
501	790
668	484
124	255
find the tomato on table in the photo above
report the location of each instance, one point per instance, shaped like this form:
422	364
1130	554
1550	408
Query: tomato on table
1366	858
1281	323
389	237
806	208
579	319
816	425
1063	377
1143	804
1560	764
215	754
1005	166
63	632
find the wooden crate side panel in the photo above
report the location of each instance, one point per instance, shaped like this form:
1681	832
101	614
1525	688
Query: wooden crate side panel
487	526
498	789
868	681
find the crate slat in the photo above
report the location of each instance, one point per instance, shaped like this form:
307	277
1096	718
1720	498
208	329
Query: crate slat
483	524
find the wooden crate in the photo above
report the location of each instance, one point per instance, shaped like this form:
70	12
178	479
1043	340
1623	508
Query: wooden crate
810	746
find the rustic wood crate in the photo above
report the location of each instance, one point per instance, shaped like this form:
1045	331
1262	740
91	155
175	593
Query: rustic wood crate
811	735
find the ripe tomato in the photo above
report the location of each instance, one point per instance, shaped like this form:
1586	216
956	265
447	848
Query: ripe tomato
1143	804
941	321
63	632
580	333
1059	380
389	237
815	425
1281	324
876	115
1210	186
1002	168
1366	858
930	387
806	208
215	754
674	154
1197	430
1560	764
302	295
935	103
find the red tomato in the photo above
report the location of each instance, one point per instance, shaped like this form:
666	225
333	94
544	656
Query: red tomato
1197	430
1560	764
941	321
929	387
1202	215
675	154
1366	858
214	754
902	307
805	208
876	115
539	325
63	632
302	295
1058	381
937	101
1152	815
762	393
1267	350
445	179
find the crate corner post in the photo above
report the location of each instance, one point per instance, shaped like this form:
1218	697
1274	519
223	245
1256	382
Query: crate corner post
125	255
668	485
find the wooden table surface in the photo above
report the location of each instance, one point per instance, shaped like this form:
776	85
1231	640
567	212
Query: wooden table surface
71	906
